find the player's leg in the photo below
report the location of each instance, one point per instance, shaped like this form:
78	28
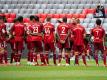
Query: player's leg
96	53
47	48
76	54
103	51
39	49
82	50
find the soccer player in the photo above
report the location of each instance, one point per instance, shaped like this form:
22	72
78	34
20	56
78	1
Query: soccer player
72	25
79	34
36	32
18	32
98	35
11	40
63	42
3	33
49	40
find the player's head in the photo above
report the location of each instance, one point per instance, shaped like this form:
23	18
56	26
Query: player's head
36	18
48	19
98	22
64	19
74	21
32	18
1	19
15	20
78	21
20	19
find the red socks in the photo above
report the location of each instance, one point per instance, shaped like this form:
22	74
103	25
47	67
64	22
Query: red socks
42	58
104	59
76	60
59	58
1	58
35	57
54	58
84	59
96	59
46	58
66	58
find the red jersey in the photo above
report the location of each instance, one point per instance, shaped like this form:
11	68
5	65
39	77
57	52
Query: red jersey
78	33
63	30
98	33
48	32
2	32
18	31
29	37
36	28
72	26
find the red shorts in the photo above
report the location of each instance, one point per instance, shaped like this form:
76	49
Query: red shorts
37	45
66	45
78	48
98	46
18	45
30	45
49	46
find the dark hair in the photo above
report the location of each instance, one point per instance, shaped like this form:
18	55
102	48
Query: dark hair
36	18
64	19
1	18
48	19
20	19
15	20
32	17
98	22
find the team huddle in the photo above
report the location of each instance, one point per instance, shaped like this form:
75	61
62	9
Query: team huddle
43	38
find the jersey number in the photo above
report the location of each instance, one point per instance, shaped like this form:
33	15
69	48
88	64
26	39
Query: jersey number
47	31
35	30
63	30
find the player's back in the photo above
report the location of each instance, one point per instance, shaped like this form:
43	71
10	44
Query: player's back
98	33
19	29
78	33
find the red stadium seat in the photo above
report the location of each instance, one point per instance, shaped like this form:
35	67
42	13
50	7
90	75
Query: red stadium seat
55	15
7	15
10	20
91	11
1	14
85	11
26	20
69	15
12	15
82	15
43	15
62	15
50	15
106	10
75	15
37	15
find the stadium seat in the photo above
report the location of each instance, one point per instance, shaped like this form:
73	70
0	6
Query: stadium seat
59	11
49	6
75	15
91	25
90	11
82	15
87	20
69	15
37	6
65	11
40	11
61	6
52	11
62	15
85	25
80	6
89	16
7	15
49	15
43	6
93	20
43	15
55	15
12	15
46	11
67	6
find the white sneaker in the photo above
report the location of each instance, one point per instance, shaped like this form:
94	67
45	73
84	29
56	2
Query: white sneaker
59	64
18	63
66	64
28	63
32	63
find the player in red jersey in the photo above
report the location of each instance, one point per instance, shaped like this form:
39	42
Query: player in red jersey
72	25
29	41
79	34
49	40
98	35
3	33
63	42
36	30
18	32
11	41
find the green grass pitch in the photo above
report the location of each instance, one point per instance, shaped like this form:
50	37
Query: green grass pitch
26	72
